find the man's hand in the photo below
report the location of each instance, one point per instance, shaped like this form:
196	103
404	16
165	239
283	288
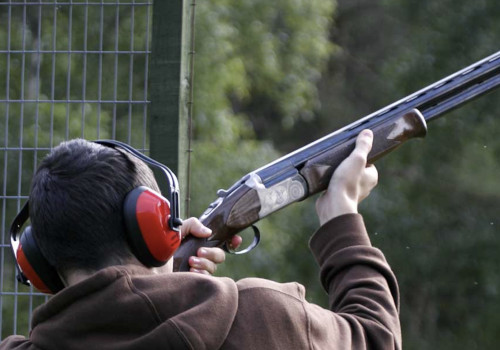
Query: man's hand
351	182
207	258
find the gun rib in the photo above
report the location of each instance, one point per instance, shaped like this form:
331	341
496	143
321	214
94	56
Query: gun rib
432	101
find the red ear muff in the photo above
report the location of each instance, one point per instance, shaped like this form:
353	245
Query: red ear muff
35	267
31	265
147	215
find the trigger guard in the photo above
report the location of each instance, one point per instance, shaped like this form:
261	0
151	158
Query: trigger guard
255	243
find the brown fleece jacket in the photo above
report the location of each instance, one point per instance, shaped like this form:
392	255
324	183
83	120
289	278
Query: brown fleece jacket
130	308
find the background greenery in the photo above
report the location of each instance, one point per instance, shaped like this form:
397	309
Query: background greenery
271	77
288	72
66	71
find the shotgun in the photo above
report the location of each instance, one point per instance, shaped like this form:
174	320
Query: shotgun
308	170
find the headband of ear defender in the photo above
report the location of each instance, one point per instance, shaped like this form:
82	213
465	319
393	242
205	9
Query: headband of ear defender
152	225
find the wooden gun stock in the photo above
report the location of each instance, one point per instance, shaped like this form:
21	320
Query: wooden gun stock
386	138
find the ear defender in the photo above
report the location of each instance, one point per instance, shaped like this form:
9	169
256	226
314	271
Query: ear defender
31	265
152	224
34	265
147	219
152	221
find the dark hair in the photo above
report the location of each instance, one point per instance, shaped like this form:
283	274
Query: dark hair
76	204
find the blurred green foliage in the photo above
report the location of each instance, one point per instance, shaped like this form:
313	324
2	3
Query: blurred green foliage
435	212
273	76
258	64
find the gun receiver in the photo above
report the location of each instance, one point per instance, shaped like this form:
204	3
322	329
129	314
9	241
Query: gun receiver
308	170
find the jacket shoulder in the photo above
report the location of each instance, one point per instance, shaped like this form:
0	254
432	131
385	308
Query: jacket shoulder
259	285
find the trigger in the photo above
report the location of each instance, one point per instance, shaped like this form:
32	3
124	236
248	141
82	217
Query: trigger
255	243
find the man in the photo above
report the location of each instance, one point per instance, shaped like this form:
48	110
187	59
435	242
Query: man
112	301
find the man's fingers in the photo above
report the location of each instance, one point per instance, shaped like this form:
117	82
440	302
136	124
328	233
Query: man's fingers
371	175
364	143
215	255
355	163
195	227
368	181
235	242
207	260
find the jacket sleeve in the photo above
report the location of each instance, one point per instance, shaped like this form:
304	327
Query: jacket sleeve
362	289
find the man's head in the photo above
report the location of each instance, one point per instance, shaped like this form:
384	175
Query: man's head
76	204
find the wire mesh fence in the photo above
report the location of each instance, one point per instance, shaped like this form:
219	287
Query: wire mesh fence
67	69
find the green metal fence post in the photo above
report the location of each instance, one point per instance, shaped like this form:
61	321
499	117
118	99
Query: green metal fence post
170	79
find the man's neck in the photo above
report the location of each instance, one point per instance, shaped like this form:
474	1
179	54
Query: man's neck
73	277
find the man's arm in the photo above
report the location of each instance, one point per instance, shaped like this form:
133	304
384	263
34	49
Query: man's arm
363	292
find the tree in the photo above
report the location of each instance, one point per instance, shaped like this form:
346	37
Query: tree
435	211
